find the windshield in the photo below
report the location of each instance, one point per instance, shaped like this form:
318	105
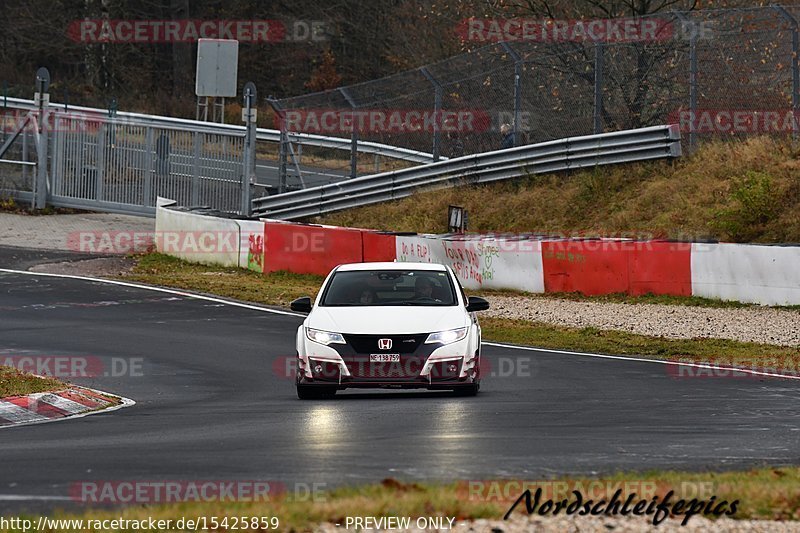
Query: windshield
389	287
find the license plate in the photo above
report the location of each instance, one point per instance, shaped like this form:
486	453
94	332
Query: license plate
384	358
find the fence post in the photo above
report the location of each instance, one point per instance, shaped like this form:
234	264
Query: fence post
692	78
197	151
102	141
795	66
282	143
147	193
517	87
599	50
25	155
353	138
57	155
249	116
437	111
42	101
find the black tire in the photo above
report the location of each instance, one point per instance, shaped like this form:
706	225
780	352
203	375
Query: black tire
468	390
306	392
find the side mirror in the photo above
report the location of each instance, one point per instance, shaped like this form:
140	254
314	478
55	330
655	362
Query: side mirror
477	304
303	305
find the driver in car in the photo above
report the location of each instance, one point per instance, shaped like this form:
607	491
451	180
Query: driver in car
423	289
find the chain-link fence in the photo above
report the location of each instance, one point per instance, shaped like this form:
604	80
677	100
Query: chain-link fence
715	72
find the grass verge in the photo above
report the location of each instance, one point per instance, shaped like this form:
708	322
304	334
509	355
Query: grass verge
657	299
9	205
744	191
765	493
278	288
16	383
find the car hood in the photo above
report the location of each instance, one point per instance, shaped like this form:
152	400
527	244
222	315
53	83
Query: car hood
388	320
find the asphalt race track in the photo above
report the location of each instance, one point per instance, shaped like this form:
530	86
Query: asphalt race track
210	405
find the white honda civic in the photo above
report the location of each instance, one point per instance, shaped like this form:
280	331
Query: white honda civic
389	325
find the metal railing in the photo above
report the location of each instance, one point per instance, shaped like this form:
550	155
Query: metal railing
93	159
263	134
564	154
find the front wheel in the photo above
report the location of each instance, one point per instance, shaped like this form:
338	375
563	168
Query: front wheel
306	392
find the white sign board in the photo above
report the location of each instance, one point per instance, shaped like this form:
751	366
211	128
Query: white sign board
217	67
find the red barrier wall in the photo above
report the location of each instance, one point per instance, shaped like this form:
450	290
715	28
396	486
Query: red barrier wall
378	247
605	267
588	267
306	249
661	268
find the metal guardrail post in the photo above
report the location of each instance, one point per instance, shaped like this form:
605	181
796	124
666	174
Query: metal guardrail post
517	87
795	66
599	50
353	138
249	116
437	111
692	79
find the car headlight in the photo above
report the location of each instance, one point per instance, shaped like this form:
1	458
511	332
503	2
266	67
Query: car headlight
324	337
446	337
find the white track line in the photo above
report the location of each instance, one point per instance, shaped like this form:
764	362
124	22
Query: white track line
154	288
496	344
642	360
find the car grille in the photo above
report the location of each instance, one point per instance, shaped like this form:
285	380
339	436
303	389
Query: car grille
402	344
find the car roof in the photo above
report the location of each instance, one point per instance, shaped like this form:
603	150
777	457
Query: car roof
391	266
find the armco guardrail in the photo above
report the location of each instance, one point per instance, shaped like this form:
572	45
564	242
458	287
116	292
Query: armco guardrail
576	152
263	134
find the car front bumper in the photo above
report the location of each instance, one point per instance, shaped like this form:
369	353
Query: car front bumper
429	366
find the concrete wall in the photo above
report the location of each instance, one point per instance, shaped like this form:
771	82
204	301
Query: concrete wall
747	273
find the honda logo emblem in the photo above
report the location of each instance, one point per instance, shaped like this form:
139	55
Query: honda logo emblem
385	344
